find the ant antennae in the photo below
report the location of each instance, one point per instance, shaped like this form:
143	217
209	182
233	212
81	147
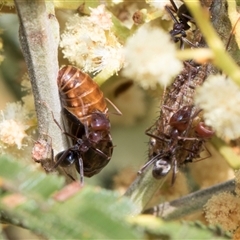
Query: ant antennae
118	112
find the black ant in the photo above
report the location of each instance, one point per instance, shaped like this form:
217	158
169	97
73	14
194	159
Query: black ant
92	145
180	26
180	123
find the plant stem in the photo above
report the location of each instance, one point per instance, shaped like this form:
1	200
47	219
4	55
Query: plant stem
221	58
191	203
39	38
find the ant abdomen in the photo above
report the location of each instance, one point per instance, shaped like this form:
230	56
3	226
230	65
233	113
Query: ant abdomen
79	94
203	131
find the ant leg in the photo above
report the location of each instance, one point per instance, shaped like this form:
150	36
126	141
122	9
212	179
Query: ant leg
188	138
157	137
183	39
72	178
147	130
192	68
100	152
174	163
148	163
209	154
170	12
174	5
188	42
63	132
54	119
168	108
194	152
80	161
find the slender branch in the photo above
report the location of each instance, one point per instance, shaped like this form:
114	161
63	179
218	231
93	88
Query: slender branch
39	47
39	38
191	203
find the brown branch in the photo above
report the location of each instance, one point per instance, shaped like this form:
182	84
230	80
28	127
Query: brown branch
39	38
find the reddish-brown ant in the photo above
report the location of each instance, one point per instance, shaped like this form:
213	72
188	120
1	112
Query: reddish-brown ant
90	152
86	123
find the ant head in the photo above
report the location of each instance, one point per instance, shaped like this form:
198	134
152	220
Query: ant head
161	168
66	158
100	122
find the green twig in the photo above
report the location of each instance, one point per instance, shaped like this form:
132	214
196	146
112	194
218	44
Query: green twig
221	58
191	203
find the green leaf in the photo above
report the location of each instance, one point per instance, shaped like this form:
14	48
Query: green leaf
91	213
158	229
25	179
